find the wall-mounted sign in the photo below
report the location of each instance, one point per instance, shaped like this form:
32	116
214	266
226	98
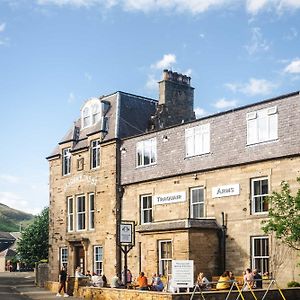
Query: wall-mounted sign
169	198
183	273
225	190
87	179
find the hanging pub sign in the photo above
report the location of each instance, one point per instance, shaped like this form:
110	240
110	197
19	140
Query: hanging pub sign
226	190
126	233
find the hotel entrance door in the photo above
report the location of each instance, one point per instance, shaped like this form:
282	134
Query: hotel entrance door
79	258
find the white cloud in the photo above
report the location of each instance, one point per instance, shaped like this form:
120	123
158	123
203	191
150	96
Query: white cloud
202	35
2	27
257	42
75	3
166	62
188	72
223	103
253	6
293	67
151	83
253	87
257	6
9	178
199	112
13	200
71	97
191	6
179	6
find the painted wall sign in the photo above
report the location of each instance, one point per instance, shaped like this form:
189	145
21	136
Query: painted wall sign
225	190
80	179
169	198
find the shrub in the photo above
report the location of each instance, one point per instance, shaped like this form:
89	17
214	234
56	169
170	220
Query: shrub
293	284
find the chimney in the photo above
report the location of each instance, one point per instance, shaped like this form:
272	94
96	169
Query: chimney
176	100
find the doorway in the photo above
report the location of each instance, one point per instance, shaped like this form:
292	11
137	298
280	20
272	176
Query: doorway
79	258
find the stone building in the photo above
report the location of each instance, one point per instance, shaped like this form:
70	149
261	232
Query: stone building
201	194
195	189
84	183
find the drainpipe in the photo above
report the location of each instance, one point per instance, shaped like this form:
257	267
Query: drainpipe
119	195
224	231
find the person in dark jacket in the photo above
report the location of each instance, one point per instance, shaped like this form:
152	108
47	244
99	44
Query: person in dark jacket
62	280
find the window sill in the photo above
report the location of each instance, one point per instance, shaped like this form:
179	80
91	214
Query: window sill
145	166
262	143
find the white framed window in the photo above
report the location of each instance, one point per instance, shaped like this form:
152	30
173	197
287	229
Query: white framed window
63	257
259	194
146	209
98	260
197	202
197	140
66	161
96	113
90	113
95	154
81	212
86	117
262	125
92	211
146	152
260	253
165	255
70	204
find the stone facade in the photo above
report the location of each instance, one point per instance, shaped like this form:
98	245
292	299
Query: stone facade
230	163
101	183
201	243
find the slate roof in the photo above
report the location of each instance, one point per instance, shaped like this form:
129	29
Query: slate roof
128	115
6	240
8	253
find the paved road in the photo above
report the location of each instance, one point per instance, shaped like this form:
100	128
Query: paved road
20	286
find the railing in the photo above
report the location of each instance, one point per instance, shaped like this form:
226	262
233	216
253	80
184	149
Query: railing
235	284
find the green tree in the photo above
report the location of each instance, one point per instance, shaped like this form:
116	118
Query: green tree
284	216
33	244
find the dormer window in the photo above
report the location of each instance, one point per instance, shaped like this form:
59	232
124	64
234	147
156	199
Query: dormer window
91	113
95	113
86	117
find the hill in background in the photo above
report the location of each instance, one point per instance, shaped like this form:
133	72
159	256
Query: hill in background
10	219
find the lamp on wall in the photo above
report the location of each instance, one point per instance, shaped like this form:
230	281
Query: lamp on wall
195	176
123	150
165	138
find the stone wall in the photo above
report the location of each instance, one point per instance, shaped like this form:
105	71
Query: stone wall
101	182
241	223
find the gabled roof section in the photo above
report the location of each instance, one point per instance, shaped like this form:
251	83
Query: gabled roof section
123	115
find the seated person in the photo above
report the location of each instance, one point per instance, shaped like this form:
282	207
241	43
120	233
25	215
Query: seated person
248	280
257	279
142	282
203	282
115	282
97	280
157	284
223	282
78	273
88	274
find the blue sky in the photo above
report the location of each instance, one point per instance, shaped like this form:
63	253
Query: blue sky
55	54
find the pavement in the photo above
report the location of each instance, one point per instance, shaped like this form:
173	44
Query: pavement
20	286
